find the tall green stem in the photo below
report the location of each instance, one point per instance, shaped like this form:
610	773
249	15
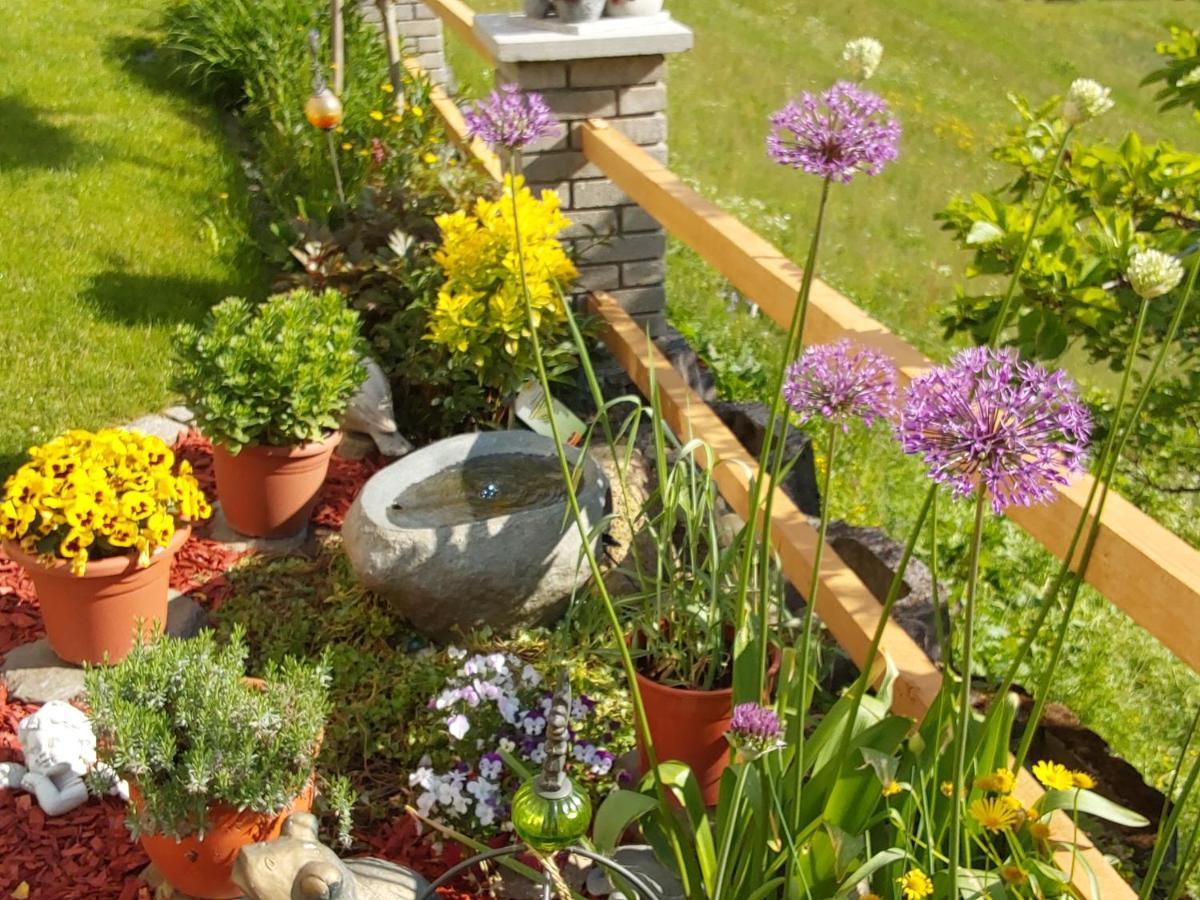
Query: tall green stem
810	602
964	701
767	463
639	710
1006	304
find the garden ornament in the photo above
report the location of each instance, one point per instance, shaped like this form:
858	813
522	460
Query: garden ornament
60	749
537	9
371	413
550	813
297	866
324	110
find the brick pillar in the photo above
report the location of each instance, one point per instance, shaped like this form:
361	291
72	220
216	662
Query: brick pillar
615	72
420	35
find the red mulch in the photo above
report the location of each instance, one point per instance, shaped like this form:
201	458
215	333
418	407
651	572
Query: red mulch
87	854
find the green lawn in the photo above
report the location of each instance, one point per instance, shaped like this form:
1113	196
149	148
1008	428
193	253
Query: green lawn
947	68
121	204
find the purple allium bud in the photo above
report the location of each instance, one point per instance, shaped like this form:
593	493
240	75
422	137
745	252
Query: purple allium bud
841	382
842	132
755	729
989	417
511	119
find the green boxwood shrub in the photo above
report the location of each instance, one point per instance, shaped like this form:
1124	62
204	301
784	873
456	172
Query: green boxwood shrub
276	374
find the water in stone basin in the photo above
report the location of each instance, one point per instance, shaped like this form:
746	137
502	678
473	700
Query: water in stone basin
480	488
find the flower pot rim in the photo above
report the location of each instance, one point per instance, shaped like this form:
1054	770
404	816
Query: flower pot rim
773	669
290	451
98	568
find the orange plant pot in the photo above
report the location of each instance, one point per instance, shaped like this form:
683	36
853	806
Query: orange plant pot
203	867
270	492
688	726
96	615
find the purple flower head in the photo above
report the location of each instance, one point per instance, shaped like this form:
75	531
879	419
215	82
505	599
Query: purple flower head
990	418
755	729
842	132
510	119
841	382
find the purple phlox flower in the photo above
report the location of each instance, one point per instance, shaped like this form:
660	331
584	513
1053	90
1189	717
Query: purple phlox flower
841	382
990	418
842	132
511	119
754	728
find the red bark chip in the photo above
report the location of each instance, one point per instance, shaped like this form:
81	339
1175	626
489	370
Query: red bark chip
345	479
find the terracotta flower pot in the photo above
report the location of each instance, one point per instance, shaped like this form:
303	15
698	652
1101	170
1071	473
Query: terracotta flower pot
96	614
203	867
690	726
270	492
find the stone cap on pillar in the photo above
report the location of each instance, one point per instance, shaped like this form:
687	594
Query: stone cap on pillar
514	38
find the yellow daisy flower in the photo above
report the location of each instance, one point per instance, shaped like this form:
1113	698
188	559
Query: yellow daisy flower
1083	780
892	788
1013	875
376	115
915	885
993	814
1039	831
1053	776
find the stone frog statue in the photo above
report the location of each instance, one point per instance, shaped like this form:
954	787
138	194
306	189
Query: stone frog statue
60	749
297	866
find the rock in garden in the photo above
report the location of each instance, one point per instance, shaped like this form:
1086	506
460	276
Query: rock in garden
748	422
474	531
875	557
161	426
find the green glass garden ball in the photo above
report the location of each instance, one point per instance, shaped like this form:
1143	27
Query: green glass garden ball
550	824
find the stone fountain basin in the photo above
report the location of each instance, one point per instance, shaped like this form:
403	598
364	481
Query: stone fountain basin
505	568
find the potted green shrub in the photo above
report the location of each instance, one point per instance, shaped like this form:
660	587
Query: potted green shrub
268	385
214	760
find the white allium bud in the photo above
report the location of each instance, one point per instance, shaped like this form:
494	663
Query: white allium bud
1153	273
862	56
1085	100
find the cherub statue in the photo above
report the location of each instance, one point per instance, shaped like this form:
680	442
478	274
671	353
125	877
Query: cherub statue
60	749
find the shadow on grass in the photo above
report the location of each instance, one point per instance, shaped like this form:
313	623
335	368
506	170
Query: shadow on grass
28	141
133	299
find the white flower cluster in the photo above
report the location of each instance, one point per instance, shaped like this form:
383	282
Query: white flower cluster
1086	99
455	794
862	56
492	678
1153	273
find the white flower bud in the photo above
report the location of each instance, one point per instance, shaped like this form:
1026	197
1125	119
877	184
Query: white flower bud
862	56
1153	273
1085	100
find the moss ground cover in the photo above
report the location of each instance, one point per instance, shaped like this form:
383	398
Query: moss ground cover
118	202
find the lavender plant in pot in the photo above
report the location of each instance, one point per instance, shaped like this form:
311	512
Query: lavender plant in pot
572	11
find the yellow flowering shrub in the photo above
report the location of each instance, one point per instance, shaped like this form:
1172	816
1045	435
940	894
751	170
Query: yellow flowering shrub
88	495
479	316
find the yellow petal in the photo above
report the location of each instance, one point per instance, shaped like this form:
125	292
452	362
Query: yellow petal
21	891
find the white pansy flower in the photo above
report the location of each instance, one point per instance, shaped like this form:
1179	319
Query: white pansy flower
1086	99
1153	273
862	56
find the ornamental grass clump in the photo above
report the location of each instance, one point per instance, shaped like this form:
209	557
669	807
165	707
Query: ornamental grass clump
179	720
277	374
88	495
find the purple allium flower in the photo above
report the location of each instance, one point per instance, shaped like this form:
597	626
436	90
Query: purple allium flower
511	119
754	729
988	416
842	132
841	382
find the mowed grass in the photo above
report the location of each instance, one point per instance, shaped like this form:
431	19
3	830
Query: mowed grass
121	204
947	70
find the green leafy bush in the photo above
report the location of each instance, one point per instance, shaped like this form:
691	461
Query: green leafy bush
179	720
1180	76
253	56
277	374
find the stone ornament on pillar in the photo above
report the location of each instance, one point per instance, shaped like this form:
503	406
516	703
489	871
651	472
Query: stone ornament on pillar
614	69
